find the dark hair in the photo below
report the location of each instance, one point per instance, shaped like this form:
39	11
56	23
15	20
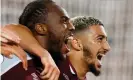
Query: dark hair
34	12
82	22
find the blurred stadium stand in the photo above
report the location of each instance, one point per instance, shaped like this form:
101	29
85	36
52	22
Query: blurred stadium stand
117	16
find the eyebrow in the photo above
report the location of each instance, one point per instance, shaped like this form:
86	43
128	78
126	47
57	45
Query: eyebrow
65	17
102	36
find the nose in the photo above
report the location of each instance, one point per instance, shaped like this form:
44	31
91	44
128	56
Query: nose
106	46
71	27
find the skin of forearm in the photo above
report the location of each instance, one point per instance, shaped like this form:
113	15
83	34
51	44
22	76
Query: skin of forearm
28	42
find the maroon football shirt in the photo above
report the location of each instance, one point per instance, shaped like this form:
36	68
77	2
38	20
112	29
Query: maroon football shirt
18	73
67	70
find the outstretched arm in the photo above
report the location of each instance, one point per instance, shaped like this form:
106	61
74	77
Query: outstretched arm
30	44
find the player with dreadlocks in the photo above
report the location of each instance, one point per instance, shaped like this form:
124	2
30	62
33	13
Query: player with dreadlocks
50	25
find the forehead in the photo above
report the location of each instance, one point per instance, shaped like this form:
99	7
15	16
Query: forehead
97	30
55	11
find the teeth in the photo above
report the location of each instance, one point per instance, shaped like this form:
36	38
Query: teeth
70	38
101	54
99	57
100	62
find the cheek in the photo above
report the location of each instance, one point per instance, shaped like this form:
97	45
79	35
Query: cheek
94	47
89	57
57	27
89	60
55	32
60	30
90	54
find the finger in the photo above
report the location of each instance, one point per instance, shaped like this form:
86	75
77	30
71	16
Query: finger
56	75
6	31
52	77
4	40
49	74
19	52
45	71
39	69
3	44
6	51
7	54
22	56
10	36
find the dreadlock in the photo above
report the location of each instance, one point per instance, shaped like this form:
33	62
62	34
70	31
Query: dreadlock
34	12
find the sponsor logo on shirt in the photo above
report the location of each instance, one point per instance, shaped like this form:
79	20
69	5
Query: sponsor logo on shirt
32	76
65	76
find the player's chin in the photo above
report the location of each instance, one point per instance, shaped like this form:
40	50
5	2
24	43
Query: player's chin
95	69
98	70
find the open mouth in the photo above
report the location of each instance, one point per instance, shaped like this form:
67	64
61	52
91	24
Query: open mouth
99	57
68	37
65	48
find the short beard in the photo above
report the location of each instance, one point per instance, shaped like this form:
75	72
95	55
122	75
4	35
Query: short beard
92	69
91	65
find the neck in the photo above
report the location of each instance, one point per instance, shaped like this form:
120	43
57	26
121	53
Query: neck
43	40
81	70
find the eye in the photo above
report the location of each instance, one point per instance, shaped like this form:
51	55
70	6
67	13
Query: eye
99	39
64	20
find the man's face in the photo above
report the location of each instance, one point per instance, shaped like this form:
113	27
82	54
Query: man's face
95	46
59	25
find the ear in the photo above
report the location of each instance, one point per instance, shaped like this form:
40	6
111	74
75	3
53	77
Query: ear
76	44
41	29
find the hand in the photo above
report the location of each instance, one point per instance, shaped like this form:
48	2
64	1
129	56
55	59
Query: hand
8	36
9	46
30	44
51	71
